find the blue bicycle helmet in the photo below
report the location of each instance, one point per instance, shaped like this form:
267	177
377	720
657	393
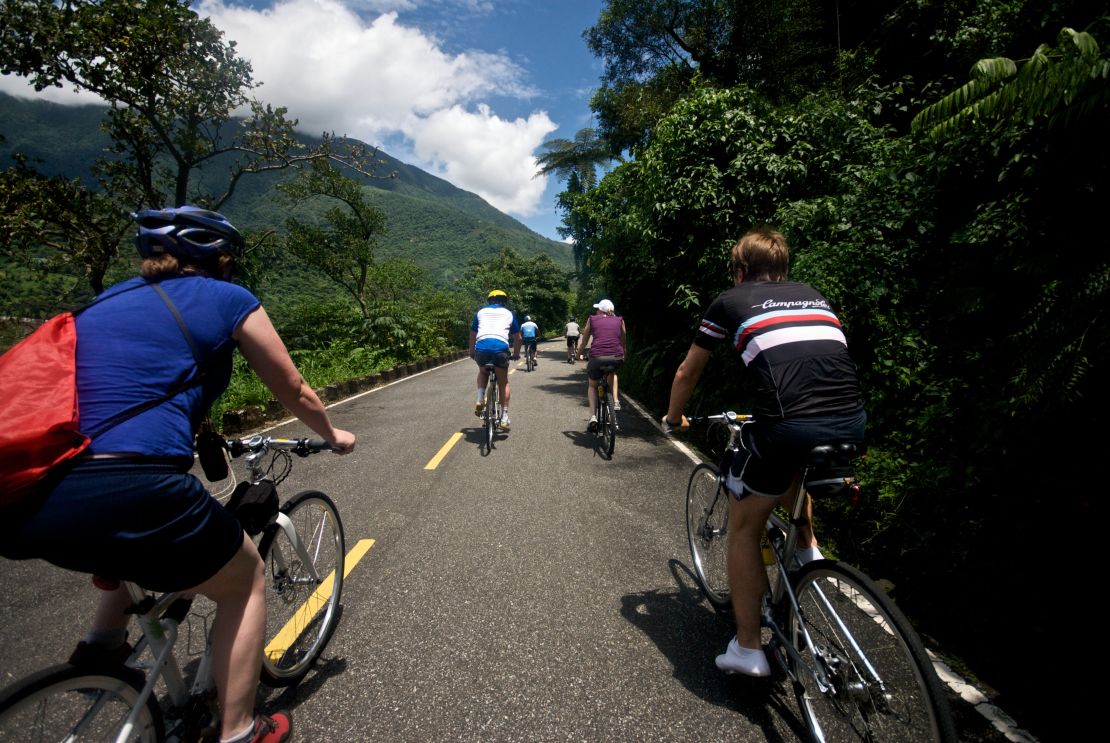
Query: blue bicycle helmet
186	231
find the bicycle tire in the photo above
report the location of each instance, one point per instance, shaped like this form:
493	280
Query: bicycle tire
835	599
491	415
707	503
529	362
51	705
607	426
301	613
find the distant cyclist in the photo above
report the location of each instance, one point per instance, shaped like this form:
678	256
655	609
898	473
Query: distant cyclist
491	331
608	333
529	333
572	333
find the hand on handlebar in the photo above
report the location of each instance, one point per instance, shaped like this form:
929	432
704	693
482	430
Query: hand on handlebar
343	443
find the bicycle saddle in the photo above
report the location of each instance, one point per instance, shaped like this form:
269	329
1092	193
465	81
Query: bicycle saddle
829	469
831	455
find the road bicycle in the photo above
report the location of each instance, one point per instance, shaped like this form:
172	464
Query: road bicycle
491	411
606	413
150	698
529	357
572	353
856	665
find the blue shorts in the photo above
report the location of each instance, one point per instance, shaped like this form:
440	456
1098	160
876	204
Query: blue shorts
499	359
771	454
146	523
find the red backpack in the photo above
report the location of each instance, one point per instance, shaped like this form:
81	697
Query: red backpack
39	409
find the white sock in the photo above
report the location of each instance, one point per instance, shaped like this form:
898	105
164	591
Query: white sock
481	394
505	411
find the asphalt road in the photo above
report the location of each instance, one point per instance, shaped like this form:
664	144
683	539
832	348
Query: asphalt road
541	593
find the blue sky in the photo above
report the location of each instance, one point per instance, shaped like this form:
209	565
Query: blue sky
465	89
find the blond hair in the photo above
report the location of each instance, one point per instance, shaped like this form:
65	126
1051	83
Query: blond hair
761	255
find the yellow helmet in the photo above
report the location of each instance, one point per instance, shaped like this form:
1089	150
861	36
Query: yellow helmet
497	296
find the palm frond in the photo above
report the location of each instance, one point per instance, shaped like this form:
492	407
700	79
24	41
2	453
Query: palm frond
1059	85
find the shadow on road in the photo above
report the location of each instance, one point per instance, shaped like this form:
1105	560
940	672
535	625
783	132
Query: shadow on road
690	634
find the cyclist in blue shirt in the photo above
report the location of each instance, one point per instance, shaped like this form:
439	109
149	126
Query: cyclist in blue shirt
491	331
530	332
129	508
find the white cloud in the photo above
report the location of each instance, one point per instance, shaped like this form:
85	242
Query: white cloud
460	141
380	81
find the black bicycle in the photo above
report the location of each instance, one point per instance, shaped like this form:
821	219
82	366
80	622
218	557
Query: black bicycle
858	668
529	357
606	413
491	412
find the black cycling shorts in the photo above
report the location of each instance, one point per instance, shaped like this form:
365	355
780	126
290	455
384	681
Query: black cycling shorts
596	363
771	454
500	359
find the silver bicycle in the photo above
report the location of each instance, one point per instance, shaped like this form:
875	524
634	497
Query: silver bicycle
857	667
149	698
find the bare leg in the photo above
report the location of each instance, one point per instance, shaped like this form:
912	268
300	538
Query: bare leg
237	634
613	383
111	611
806	537
591	395
747	579
503	385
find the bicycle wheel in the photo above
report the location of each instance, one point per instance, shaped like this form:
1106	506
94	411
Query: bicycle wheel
71	704
491	415
301	610
528	360
707	501
882	685
607	426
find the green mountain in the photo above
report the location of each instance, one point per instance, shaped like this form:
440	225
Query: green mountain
429	221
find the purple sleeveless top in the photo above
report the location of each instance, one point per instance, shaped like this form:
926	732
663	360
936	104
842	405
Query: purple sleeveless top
606	332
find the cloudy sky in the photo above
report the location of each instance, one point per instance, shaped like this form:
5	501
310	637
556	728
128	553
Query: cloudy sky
465	89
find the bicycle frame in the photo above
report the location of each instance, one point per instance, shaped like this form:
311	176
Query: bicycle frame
159	620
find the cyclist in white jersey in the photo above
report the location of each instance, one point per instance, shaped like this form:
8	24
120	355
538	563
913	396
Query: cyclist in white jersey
572	332
493	328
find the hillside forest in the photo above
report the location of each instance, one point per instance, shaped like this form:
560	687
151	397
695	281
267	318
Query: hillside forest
938	167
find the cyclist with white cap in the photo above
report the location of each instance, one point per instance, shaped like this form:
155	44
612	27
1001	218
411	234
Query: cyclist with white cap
608	332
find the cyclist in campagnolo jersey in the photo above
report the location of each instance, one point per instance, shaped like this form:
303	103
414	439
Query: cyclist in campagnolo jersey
807	394
493	328
607	330
572	331
529	333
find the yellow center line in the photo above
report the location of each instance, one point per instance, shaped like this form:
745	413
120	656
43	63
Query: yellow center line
289	634
434	461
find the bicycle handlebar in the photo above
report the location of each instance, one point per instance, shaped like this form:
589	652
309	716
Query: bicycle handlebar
300	446
729	417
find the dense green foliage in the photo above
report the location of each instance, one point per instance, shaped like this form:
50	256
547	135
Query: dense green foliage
964	257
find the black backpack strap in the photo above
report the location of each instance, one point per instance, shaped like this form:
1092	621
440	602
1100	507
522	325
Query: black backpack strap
129	413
